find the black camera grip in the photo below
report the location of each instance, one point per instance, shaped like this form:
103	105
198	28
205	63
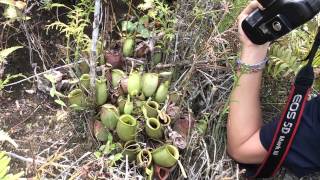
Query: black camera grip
278	18
266	3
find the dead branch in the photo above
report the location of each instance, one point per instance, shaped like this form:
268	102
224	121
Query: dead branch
93	56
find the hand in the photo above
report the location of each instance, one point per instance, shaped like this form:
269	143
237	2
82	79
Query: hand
251	53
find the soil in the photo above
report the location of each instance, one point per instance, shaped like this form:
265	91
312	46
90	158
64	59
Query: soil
39	126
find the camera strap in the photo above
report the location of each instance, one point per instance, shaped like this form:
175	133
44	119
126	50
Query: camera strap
290	119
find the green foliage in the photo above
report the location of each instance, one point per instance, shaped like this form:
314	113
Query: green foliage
5	160
5	167
54	92
79	19
7	2
230	17
6	52
13	10
137	27
48	5
161	13
287	54
3	55
9	77
5	137
283	62
109	150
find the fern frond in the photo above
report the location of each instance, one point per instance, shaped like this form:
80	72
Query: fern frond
283	62
5	52
5	137
4	168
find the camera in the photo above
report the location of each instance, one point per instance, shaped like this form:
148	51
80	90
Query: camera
278	18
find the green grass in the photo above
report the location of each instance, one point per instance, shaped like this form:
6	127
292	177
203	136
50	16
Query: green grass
231	17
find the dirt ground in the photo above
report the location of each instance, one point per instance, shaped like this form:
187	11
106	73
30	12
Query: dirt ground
32	119
40	128
47	133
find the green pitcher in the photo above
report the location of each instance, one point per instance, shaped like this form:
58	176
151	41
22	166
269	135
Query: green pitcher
117	75
166	155
150	83
150	109
162	92
127	127
121	102
164	118
85	81
100	132
109	115
134	83
101	91
128	106
77	97
128	47
131	149
144	158
153	128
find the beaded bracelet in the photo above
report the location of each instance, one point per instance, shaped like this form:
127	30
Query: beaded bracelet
249	68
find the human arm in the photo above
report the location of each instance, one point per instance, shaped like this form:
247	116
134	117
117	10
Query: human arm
245	119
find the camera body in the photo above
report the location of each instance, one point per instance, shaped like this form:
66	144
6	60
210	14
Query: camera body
279	18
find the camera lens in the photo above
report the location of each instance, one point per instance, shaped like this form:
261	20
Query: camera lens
266	3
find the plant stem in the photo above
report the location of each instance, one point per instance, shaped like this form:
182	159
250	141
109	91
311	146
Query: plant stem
68	50
93	57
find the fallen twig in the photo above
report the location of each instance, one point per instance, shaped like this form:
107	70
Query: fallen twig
31	160
72	165
42	73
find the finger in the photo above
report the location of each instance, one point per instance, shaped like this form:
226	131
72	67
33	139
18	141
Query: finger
240	30
241	18
251	7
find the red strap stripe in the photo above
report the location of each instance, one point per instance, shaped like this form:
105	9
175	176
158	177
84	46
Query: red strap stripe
293	134
277	131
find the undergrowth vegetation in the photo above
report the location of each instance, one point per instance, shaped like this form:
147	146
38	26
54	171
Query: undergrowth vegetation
289	53
139	81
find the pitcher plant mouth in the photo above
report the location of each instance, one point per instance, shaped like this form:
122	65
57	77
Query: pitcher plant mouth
101	80
150	109
131	145
77	99
164	119
153	123
127	127
75	93
144	158
153	104
109	106
131	149
153	128
140	96
85	77
173	151
128	120
166	155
